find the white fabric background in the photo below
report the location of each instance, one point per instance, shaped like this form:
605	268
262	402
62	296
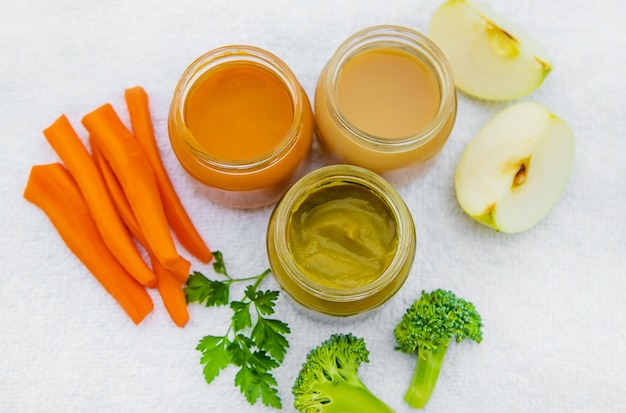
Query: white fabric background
552	298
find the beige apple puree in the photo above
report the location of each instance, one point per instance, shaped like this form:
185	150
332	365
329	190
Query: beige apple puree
388	93
386	102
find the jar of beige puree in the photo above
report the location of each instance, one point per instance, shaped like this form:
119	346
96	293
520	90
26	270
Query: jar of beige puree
385	101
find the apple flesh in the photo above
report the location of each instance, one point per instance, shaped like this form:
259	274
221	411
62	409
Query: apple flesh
491	57
512	173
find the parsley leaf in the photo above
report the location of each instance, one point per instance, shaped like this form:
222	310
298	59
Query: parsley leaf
200	290
261	361
241	316
269	335
253	343
218	265
215	357
254	384
264	301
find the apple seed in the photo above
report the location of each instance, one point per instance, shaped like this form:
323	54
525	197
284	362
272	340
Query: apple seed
521	174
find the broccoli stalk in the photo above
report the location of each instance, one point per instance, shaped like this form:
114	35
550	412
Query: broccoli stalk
329	383
425	376
426	329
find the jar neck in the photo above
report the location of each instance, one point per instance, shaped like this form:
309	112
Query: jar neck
405	39
236	55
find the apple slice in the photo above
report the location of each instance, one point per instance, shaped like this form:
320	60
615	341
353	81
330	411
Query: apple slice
512	173
491	57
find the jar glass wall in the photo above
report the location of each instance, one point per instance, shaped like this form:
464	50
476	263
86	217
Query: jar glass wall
241	125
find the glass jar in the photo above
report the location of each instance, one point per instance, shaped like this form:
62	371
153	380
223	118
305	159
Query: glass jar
244	150
341	241
385	101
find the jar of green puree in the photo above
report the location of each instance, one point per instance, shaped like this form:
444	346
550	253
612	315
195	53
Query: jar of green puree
341	240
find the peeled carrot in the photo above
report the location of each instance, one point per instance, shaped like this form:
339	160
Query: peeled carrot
141	121
64	140
134	173
117	195
52	189
128	217
172	294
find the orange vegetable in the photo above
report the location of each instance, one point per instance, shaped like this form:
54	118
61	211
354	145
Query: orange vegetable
126	213
74	155
117	195
52	189
186	232
171	291
134	173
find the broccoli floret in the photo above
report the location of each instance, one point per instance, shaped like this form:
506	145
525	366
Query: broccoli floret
328	382
427	328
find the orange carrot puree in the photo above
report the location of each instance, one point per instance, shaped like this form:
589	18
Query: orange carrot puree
238	112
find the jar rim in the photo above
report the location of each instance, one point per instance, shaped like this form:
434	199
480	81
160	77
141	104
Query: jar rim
338	175
407	39
238	54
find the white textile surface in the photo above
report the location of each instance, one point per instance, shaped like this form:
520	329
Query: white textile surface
552	298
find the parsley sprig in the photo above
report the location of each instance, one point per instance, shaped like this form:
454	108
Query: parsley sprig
254	342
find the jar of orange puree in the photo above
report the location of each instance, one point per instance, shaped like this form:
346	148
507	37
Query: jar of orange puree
385	101
241	124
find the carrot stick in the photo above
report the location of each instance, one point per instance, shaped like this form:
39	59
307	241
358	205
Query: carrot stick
64	140
126	213
141	121
172	294
134	173
52	189
117	195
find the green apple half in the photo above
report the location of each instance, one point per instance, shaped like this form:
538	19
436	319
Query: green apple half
491	57
512	173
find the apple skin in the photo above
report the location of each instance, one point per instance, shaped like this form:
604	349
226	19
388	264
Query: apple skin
491	57
514	170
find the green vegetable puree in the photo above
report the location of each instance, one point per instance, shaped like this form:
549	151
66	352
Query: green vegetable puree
342	236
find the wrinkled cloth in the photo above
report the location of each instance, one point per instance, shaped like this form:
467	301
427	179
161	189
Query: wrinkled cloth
551	298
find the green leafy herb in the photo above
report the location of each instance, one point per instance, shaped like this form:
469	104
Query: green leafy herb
253	342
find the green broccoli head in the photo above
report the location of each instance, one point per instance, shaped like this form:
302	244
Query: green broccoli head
427	328
436	318
328	381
